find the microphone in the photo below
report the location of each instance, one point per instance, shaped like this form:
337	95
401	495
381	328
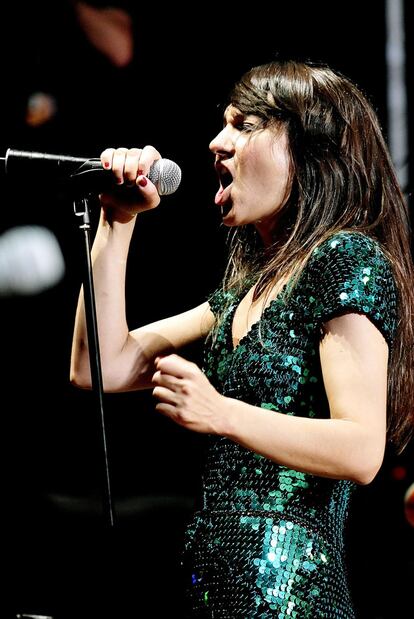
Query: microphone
30	261
81	174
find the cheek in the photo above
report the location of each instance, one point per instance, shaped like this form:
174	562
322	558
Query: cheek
270	178
263	166
279	172
282	180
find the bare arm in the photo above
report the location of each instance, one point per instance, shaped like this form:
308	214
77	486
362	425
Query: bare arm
126	357
349	445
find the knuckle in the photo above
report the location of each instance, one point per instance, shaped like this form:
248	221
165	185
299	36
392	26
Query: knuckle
186	388
181	418
193	369
108	152
151	150
155	203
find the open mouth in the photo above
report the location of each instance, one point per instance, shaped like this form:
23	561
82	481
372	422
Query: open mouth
226	177
222	197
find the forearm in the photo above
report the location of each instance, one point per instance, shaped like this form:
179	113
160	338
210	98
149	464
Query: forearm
336	448
109	259
348	445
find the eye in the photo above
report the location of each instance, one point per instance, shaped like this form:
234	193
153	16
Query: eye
246	126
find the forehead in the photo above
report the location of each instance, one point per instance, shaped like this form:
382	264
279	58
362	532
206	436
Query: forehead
231	112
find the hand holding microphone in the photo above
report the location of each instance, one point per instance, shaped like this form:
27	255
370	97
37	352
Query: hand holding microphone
133	168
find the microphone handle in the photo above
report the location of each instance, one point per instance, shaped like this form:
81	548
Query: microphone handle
79	175
22	160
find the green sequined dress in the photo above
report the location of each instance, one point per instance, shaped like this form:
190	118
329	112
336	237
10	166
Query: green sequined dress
269	540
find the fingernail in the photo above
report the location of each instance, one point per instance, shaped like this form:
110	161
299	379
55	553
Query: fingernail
143	182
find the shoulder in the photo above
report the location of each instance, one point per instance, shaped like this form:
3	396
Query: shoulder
348	245
350	272
351	253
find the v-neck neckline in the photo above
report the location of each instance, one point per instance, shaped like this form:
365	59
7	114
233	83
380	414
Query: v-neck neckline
255	325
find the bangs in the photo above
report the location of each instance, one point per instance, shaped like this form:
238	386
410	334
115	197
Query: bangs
257	94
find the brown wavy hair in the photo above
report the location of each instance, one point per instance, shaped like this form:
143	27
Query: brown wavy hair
342	178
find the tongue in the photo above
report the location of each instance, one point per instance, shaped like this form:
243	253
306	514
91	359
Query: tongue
218	196
222	195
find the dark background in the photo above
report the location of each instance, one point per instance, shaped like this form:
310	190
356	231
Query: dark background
59	555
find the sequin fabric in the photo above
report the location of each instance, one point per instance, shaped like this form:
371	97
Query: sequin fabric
268	541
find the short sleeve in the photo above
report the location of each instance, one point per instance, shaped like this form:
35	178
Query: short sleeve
350	273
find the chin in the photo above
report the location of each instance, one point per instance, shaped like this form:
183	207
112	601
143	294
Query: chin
231	218
229	222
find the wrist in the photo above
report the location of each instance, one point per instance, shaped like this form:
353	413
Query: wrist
112	216
230	417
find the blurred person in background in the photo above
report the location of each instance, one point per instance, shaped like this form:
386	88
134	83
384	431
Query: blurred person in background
58	55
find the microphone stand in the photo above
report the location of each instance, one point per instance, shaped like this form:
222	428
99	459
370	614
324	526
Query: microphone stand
81	209
82	178
87	176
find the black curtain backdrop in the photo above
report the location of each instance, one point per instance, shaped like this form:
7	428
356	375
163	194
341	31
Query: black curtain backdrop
60	558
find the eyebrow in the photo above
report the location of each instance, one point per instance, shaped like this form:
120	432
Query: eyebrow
232	113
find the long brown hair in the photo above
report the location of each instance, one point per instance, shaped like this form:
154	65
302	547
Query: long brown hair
342	179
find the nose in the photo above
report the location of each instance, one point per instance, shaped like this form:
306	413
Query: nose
223	143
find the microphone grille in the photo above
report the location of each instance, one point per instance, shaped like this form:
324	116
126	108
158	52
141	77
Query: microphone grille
166	176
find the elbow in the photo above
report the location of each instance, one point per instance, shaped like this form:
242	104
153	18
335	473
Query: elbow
82	379
361	453
367	469
365	477
80	375
79	380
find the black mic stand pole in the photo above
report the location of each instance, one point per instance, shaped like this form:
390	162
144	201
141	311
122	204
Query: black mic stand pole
81	209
